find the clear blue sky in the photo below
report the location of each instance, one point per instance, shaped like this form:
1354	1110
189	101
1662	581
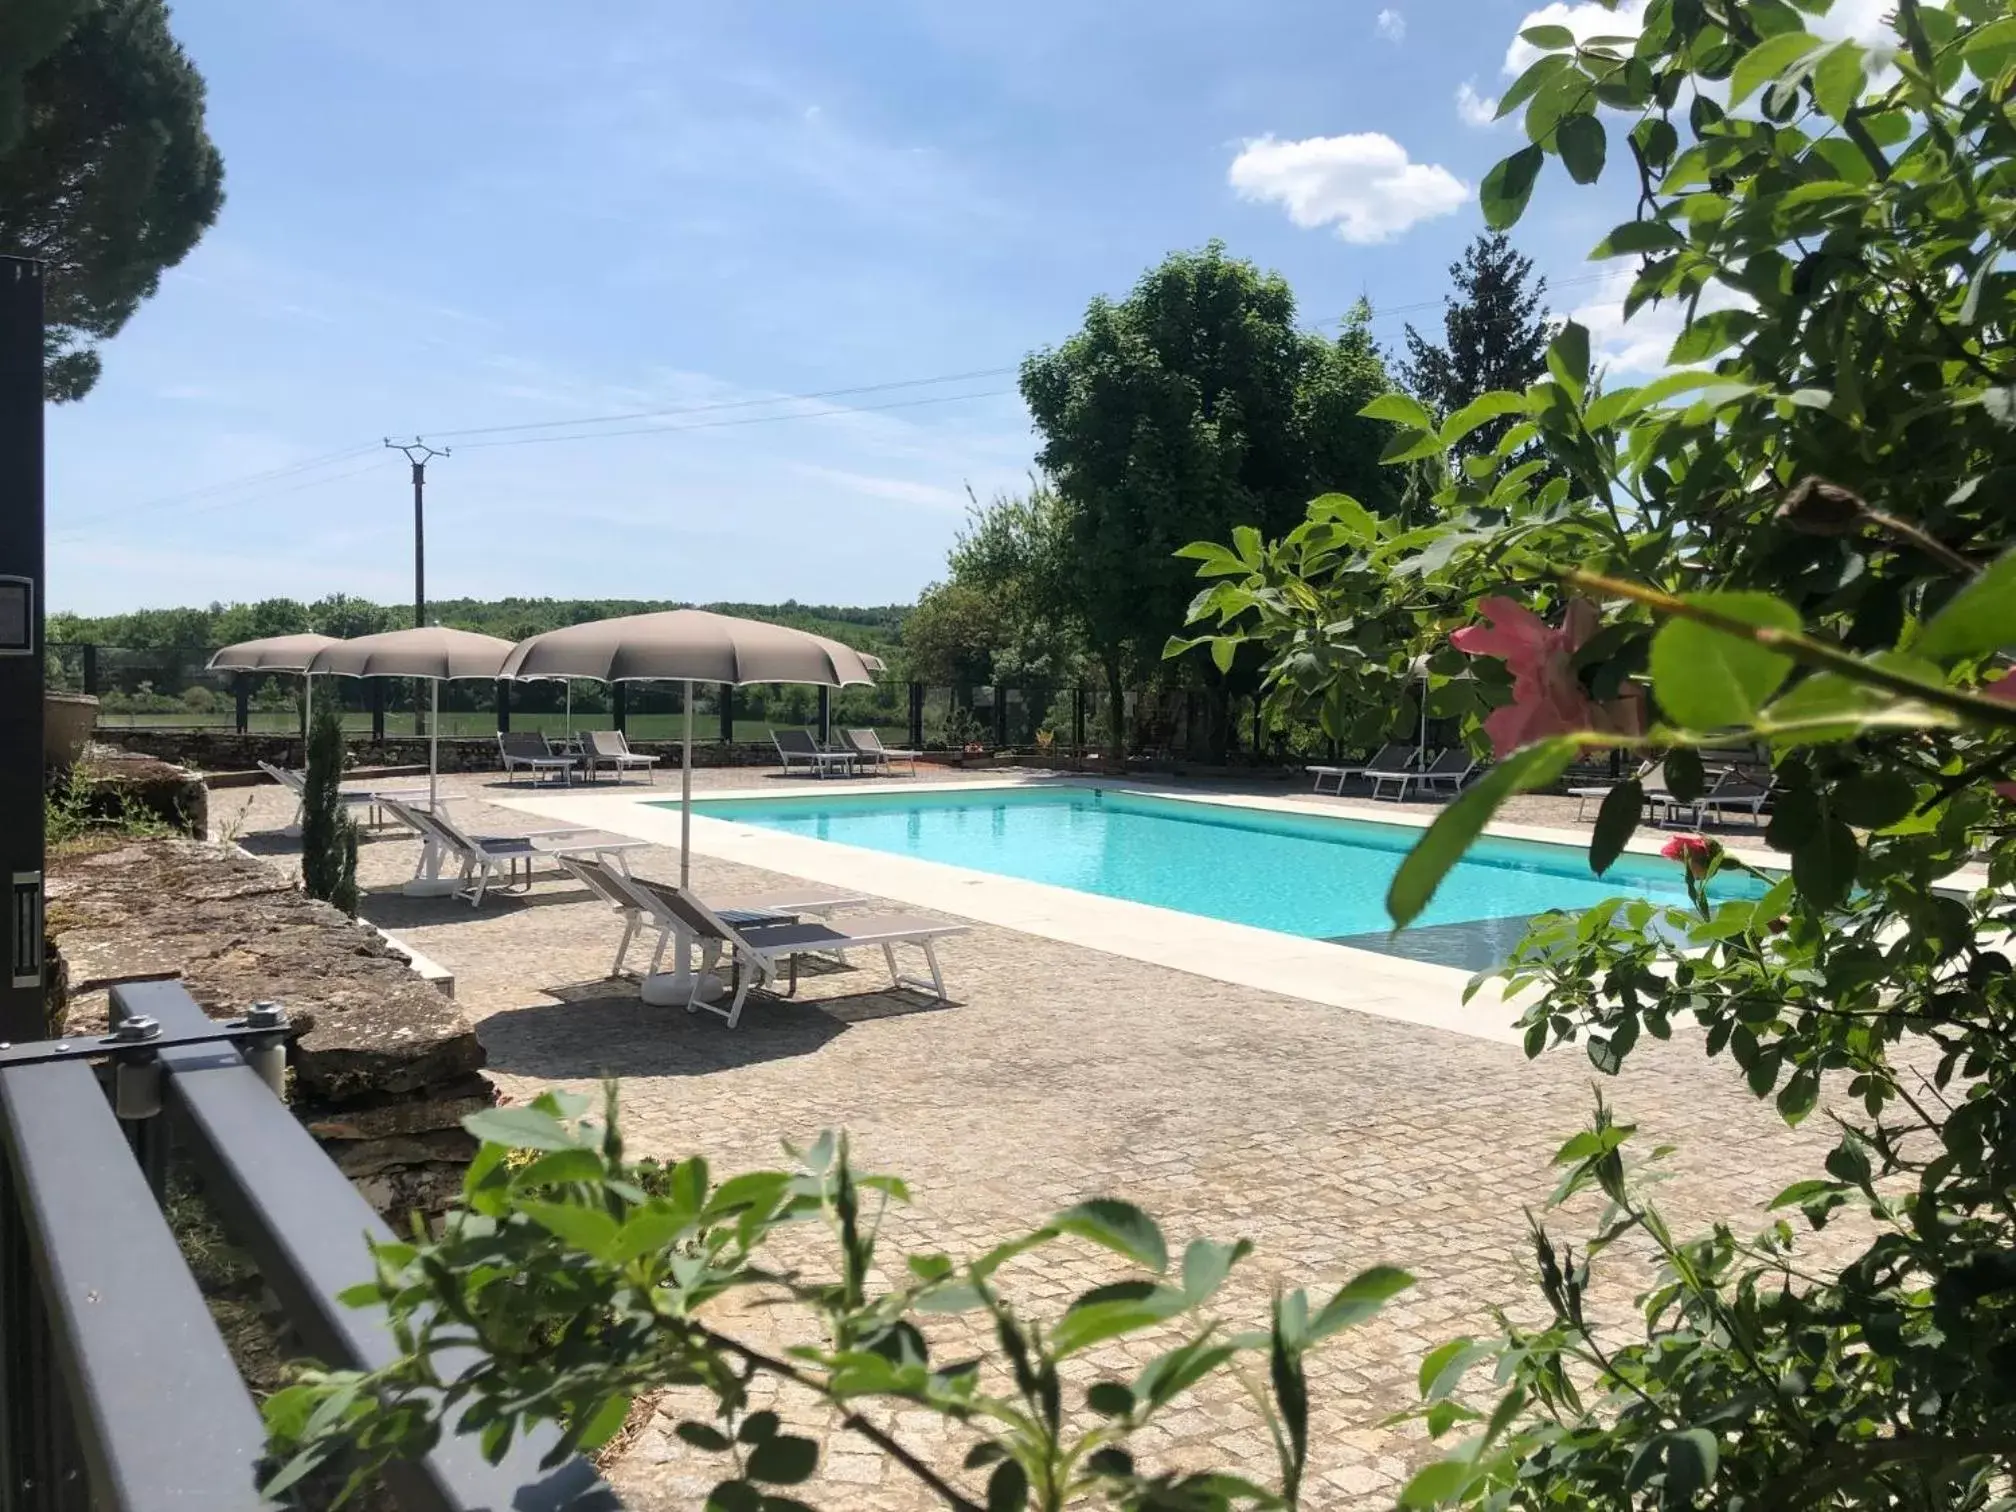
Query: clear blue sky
457	215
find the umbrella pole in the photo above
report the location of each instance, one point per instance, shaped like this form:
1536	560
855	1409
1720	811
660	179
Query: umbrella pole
686	788
433	740
307	715
570	708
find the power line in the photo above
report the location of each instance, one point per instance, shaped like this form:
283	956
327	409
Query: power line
351	472
275	474
267	475
728	404
673	430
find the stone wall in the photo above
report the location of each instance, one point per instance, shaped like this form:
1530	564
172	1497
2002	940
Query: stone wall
112	785
383	1066
228	751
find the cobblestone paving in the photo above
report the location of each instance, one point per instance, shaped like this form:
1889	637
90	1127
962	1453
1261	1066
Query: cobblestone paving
1332	1140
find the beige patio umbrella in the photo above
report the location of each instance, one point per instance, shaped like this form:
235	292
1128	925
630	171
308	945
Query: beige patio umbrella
688	646
277	653
430	652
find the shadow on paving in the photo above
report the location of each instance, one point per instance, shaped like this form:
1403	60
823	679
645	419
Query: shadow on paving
604	1029
389	908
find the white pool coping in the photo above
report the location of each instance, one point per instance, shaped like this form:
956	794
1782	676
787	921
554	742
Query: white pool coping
1340	976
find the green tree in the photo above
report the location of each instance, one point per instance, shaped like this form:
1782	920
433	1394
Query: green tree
1494	336
347	617
1014	551
328	834
107	174
949	639
1179	411
1799	538
268	617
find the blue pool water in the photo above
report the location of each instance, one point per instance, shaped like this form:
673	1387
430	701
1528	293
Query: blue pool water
1311	875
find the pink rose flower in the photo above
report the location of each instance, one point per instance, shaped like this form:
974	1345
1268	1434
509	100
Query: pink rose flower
1547	697
1696	851
2003	690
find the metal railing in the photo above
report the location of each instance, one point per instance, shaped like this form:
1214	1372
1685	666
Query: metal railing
117	1392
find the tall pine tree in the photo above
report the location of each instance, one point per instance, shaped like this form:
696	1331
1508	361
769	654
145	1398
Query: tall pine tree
1495	336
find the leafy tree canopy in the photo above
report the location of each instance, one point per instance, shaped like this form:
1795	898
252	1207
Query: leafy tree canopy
107	174
1494	336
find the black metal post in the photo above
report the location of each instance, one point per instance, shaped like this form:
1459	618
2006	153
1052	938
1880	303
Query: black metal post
241	702
1000	717
90	672
503	706
377	696
727	713
916	716
22	670
1078	719
825	716
619	705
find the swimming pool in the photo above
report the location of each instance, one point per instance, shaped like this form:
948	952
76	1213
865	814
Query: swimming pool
1318	876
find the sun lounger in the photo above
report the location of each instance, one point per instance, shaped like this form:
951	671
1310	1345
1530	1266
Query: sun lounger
1406	769
528	749
609	748
1387	756
796	746
1452	768
482	857
370	800
644	906
757	952
1731	794
867	745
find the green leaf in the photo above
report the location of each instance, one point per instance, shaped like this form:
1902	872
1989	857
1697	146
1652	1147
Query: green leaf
1638	236
1797	1096
1706	678
785	1460
1481	411
1120	1226
559	1167
1401	409
646	1232
588	1229
1107	1398
1978	619
1666	386
1508	186
1347	513
1443	844
1873	798
1580	141
605	1422
1709	333
1409	446
1824	867
1443	1366
1768	60
1107	1312
1568	358
1206	1264
1358	1299
1692	1457
1616	822
1433	1485
1008	1488
519	1129
1549	38
1528	83
1837	80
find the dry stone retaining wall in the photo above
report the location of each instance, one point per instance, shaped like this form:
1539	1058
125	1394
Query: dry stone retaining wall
384	1067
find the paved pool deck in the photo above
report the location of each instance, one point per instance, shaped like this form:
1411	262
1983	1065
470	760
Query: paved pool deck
1338	1107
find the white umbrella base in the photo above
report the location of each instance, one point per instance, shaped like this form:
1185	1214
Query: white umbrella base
675	989
431	887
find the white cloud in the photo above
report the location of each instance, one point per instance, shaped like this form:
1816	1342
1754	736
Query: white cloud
1864	20
1391	25
1638	348
1586	19
1475	109
1363	183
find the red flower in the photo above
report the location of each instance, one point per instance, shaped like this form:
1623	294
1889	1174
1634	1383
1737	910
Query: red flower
1547	696
1696	851
2003	690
